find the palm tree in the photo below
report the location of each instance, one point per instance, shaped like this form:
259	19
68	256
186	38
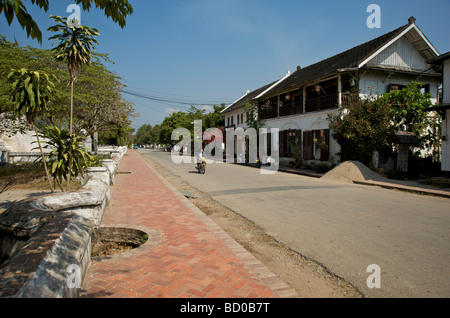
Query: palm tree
30	92
75	48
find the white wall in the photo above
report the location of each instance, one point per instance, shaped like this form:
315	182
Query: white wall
306	122
446	86
234	114
377	83
400	54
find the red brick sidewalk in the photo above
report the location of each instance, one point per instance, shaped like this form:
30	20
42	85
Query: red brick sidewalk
187	255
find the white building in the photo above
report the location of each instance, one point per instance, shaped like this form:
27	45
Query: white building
444	110
299	103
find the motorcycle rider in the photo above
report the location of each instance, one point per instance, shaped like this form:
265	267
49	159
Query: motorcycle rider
199	158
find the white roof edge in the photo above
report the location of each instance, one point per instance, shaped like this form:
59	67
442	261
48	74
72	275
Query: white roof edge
286	76
386	45
426	40
246	93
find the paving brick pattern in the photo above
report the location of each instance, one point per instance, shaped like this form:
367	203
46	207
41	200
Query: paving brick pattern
187	255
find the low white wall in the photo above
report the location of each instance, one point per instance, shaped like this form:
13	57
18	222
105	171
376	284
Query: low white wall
85	208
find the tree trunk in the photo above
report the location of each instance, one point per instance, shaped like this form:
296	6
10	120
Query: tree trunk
68	176
95	143
44	160
71	107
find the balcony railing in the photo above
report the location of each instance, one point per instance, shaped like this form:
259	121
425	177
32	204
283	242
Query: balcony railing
322	103
348	98
311	105
291	108
269	113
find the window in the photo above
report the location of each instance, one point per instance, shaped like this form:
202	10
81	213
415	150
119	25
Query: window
289	141
425	89
316	144
395	87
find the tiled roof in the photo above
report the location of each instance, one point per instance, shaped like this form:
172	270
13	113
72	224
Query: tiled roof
348	59
440	59
248	97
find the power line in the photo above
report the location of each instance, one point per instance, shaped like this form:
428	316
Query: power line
178	95
167	101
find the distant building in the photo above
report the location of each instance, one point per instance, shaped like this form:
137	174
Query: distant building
299	103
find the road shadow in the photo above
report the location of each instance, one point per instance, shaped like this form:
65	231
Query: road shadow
266	189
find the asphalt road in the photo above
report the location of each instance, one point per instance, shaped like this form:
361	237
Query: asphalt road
344	227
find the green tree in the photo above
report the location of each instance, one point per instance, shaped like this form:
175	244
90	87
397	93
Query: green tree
68	157
408	109
253	120
11	57
75	48
186	120
147	135
117	10
368	125
172	122
30	92
99	105
363	127
214	119
118	135
98	101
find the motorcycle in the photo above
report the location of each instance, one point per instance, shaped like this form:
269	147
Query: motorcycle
201	167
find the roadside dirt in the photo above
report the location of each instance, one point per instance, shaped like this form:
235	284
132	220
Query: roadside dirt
308	278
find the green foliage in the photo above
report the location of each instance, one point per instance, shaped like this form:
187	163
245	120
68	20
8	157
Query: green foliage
116	135
408	108
98	102
368	125
15	8
30	91
296	149
64	145
117	10
147	135
186	120
362	128
252	121
75	44
96	160
14	57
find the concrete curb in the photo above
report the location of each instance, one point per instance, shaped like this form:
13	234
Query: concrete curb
392	186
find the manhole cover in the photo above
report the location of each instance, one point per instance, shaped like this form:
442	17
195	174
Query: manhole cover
113	240
124	172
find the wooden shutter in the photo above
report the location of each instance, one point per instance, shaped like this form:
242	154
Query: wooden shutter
325	151
282	143
307	145
298	134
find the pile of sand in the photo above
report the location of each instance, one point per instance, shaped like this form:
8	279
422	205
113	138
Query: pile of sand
350	171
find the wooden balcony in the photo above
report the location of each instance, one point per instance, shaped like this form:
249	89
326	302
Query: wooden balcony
322	103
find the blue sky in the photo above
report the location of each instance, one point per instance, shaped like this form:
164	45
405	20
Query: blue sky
206	52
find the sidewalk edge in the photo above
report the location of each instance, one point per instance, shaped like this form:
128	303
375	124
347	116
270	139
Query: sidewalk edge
268	277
